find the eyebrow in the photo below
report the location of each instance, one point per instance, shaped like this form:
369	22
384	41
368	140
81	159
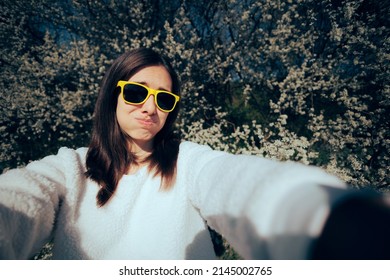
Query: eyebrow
146	84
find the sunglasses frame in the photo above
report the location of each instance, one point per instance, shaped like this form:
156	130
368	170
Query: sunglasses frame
150	91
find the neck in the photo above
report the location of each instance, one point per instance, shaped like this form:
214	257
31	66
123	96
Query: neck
142	150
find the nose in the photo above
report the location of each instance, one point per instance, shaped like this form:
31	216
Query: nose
149	106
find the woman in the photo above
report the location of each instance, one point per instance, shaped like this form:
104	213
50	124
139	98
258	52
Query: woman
137	192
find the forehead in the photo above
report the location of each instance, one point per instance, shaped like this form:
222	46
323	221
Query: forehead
154	77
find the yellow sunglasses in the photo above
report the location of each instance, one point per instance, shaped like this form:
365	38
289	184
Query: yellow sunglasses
136	94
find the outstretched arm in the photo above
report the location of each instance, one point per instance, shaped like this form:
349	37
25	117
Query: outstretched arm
29	200
265	209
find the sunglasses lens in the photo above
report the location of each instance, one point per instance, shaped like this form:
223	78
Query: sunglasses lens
134	93
137	94
166	101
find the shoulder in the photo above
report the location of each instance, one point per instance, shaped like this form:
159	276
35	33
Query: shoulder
67	155
71	154
187	146
48	175
193	156
66	161
193	151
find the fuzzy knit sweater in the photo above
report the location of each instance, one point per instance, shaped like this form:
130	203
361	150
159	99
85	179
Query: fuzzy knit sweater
264	208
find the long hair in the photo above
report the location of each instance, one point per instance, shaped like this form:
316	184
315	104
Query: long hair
109	155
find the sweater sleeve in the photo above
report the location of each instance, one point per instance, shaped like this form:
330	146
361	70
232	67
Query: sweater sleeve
29	200
265	209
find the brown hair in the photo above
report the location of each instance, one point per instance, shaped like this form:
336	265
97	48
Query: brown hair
109	155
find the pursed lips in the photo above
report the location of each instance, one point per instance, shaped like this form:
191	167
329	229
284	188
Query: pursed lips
146	122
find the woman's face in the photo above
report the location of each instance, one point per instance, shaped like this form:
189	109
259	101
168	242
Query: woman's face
143	122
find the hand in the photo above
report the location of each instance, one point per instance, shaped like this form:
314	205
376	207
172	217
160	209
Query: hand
357	228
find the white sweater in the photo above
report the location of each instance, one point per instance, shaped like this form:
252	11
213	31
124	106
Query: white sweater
265	209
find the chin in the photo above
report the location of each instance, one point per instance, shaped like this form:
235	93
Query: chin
143	139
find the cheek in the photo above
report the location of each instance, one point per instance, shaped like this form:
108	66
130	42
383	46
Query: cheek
120	110
122	113
163	118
